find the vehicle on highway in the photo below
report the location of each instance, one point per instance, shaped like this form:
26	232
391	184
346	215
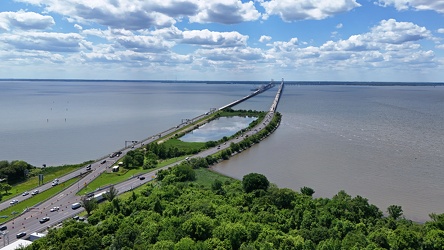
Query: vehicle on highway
25	193
55	182
13	202
142	178
54	209
3	228
103	162
88	167
35	192
43	220
20	235
76	205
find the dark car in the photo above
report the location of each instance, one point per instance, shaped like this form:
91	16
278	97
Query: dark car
44	219
142	178
20	235
103	162
3	228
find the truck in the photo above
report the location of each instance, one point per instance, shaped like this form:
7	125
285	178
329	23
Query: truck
76	205
99	197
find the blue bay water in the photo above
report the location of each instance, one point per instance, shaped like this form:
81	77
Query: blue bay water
383	143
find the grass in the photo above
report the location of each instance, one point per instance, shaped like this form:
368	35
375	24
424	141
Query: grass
206	177
15	210
49	174
181	145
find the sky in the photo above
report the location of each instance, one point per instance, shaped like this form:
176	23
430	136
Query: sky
228	40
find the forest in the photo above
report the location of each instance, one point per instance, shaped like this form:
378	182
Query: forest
177	212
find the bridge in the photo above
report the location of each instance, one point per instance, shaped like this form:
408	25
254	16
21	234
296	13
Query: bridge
256	92
28	220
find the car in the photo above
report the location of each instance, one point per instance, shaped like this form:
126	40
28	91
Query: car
13	202
21	235
54	209
3	228
142	178
76	217
35	192
25	193
81	218
43	220
90	195
103	162
88	167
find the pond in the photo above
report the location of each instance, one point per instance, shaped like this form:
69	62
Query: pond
217	129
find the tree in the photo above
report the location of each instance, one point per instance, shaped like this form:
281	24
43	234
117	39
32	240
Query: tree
255	181
184	172
5	187
88	204
394	211
111	194
307	191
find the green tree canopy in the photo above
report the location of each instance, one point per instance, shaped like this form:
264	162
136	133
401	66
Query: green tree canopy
255	181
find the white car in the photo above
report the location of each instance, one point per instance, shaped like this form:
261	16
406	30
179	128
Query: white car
25	193
54	209
13	202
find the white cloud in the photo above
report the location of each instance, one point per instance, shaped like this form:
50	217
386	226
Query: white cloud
231	54
285	46
141	14
339	26
144	43
214	39
225	11
441	30
264	39
24	21
434	5
290	10
44	41
390	44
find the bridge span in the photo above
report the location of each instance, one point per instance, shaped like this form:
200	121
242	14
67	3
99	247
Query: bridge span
256	92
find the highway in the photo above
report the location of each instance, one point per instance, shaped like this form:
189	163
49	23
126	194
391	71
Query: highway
29	221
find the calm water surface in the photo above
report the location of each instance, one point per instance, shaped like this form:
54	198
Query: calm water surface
217	129
383	143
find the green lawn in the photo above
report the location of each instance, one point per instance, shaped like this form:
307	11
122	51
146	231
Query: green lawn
15	210
49	174
188	146
206	177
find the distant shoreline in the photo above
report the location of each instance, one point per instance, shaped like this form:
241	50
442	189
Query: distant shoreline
346	83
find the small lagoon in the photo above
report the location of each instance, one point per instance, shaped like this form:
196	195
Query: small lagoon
217	129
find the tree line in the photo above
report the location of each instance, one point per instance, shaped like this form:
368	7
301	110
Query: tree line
176	213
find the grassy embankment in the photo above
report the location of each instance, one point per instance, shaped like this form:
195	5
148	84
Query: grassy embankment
49	174
15	210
